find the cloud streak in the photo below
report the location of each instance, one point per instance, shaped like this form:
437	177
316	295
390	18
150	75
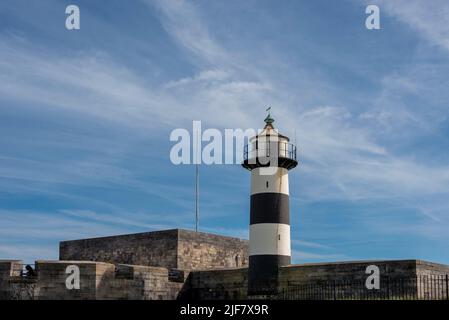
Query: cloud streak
429	19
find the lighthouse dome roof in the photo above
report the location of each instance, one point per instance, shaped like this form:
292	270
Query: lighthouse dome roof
270	130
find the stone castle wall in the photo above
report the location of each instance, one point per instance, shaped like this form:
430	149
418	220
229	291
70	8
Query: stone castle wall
209	251
158	249
175	248
108	281
51	278
344	280
426	268
181	264
9	269
98	281
433	280
229	284
341	271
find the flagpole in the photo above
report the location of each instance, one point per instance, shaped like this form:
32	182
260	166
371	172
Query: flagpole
197	188
197	213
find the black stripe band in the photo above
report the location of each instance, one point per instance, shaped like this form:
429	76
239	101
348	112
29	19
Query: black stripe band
263	272
269	208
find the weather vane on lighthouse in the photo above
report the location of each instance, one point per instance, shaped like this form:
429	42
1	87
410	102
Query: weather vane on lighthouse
269	230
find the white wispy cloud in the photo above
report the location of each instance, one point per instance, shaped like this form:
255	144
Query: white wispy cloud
428	18
185	24
308	244
329	137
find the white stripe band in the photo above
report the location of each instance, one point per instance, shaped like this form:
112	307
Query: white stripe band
269	238
275	183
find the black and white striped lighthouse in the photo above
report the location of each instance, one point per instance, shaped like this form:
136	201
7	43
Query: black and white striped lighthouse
269	156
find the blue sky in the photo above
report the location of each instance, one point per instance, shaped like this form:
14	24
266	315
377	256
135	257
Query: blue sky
85	119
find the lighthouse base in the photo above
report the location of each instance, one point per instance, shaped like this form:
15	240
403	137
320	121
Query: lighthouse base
263	273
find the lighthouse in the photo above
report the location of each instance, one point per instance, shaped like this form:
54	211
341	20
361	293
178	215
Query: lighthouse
269	156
